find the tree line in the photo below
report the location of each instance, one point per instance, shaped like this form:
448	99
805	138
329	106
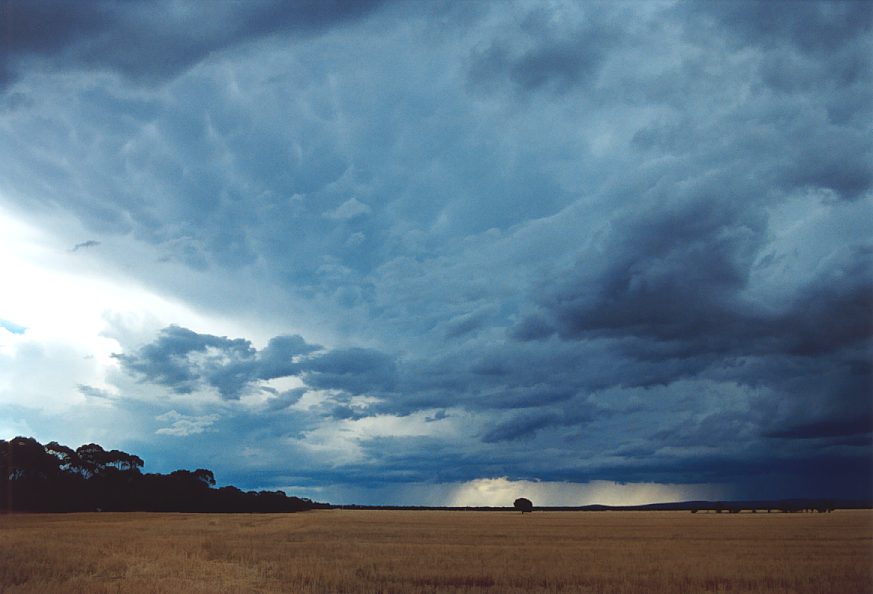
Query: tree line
56	478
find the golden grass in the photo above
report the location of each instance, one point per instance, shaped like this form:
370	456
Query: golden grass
405	551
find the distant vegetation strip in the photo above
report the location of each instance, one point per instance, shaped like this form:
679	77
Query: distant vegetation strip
57	478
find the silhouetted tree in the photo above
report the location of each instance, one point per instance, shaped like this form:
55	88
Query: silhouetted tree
523	505
124	462
68	460
57	478
825	506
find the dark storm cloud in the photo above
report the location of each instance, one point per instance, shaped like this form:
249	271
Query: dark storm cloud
677	277
675	293
166	361
283	400
816	47
532	327
710	430
556	65
466	324
151	41
184	360
277	358
840	162
43	27
671	272
833	311
632	236
675	281
811	27
355	370
540	54
521	427
828	428
760	476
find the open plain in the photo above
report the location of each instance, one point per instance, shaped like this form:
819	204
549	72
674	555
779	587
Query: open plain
438	551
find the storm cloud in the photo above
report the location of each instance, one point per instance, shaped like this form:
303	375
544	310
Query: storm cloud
378	244
155	41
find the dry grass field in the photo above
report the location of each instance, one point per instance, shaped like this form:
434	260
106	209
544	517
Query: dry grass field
400	551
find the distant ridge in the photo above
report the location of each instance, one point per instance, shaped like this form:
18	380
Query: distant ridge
796	505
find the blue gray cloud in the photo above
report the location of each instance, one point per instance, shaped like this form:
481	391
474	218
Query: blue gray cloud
634	239
154	41
184	360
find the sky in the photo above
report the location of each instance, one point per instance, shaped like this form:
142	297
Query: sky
445	253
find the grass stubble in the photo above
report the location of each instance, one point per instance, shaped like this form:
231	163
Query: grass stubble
438	551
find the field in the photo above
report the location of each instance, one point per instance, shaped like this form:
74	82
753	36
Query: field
405	551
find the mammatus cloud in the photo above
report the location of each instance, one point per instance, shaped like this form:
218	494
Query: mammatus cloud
349	209
547	55
576	242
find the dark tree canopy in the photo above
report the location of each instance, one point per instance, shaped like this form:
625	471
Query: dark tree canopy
523	505
56	478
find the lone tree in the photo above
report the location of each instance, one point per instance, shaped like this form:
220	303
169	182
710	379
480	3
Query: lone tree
523	505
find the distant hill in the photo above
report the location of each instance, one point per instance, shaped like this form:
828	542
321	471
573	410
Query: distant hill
55	478
774	505
759	505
